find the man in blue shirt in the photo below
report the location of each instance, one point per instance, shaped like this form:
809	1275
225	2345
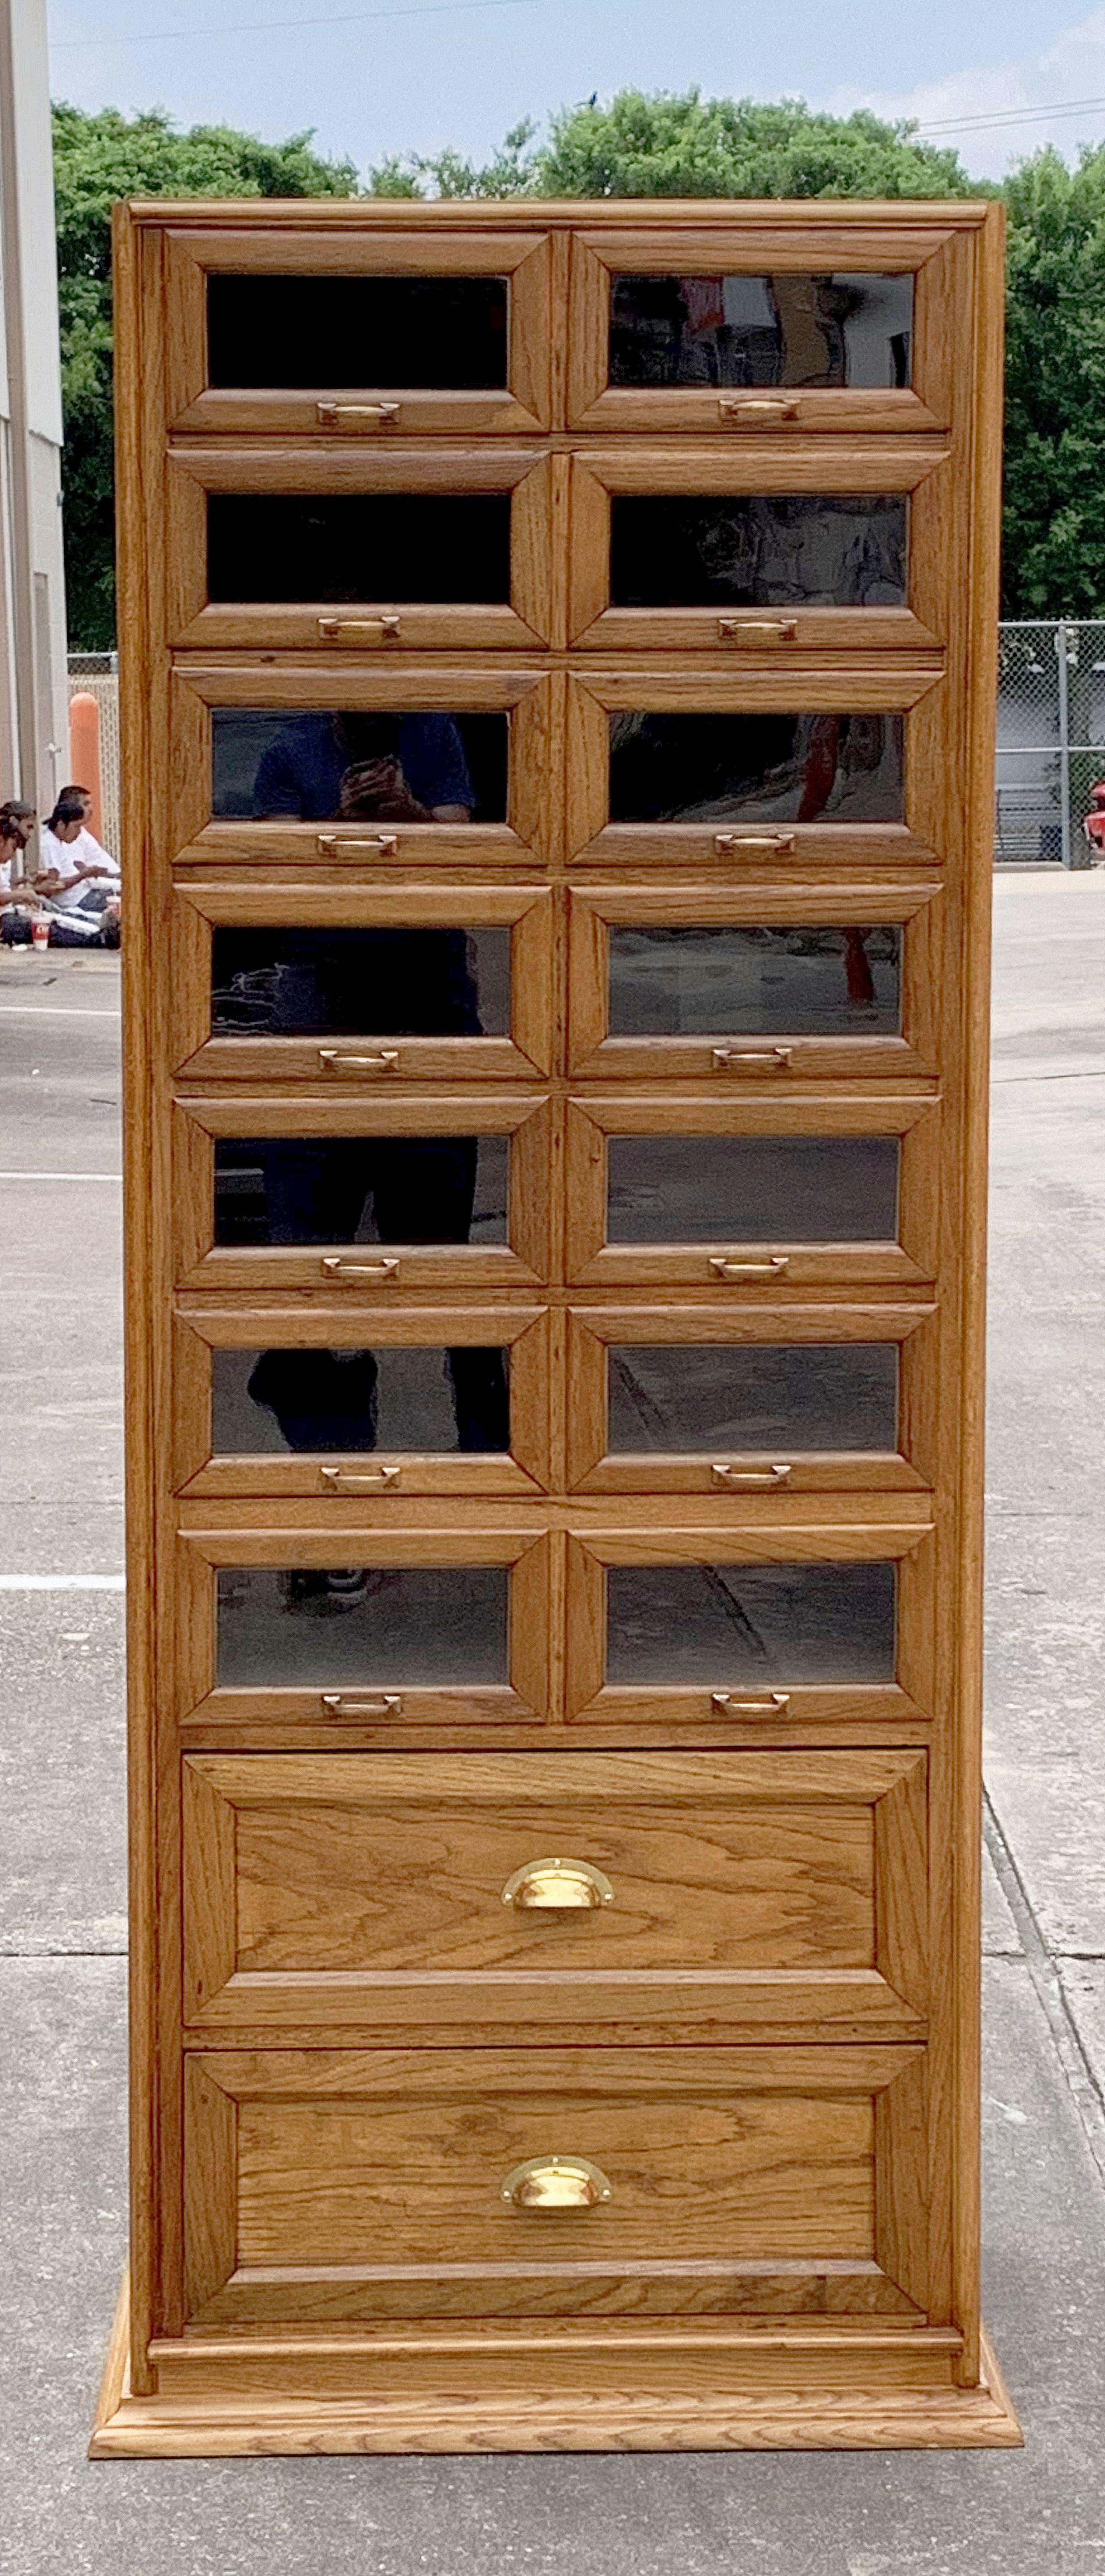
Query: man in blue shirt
365	767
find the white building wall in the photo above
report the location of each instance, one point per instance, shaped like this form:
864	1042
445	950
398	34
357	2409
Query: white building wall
34	757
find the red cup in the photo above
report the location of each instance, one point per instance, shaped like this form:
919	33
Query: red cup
40	930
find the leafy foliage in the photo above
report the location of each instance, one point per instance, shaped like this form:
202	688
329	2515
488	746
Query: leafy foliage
1055	389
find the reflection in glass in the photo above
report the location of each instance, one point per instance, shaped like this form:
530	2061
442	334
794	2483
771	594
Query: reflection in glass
347	983
361	1189
721	1398
755	982
340	547
755	768
361	1627
753	1189
778	330
265	1403
757	550
356	332
748	1627
349	766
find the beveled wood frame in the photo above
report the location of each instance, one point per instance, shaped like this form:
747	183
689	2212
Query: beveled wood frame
782	902
893	2273
938	258
528	698
592	1261
441	1831
525	404
199	1331
200	1702
797	466
193	620
522	1262
592	1468
908	1700
802	685
201	906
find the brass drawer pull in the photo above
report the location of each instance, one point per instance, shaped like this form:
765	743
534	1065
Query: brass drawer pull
734	1059
757	630
759	407
774	845
360	630
558	1887
334	1060
342	1480
383	845
335	1266
550	2183
339	1704
771	1269
760	1478
727	1705
335	415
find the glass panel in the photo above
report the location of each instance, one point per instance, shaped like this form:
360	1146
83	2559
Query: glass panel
716	1398
753	1189
358	546
357	332
329	766
361	1627
344	983
757	550
361	1189
755	983
779	330
755	769
750	1627
265	1403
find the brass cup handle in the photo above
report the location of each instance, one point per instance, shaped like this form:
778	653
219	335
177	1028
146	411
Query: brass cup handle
770	1269
753	1479
333	415
360	630
335	1266
340	1704
548	2184
759	407
335	1060
734	1059
774	845
757	630
342	1480
558	1887
383	845
726	1704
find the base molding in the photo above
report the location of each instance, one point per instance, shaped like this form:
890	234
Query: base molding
773	2390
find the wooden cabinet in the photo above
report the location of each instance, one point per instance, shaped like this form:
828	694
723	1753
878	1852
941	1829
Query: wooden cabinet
558	845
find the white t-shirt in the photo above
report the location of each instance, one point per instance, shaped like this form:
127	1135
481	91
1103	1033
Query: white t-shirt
64	858
6	879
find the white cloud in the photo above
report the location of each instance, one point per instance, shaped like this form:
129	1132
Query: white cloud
1072	68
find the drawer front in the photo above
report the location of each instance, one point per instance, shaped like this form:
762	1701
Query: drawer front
782	1891
332	2183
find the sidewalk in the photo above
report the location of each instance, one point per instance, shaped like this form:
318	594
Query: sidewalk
61	1910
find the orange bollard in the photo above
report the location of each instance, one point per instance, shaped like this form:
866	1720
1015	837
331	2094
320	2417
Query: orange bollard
84	751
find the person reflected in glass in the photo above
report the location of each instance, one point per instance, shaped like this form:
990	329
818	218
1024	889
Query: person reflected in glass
368	767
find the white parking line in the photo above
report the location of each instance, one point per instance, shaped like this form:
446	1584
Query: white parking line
51	1011
62	1582
61	1176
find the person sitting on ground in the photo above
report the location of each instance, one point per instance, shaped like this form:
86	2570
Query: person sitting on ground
93	859
62	868
17	895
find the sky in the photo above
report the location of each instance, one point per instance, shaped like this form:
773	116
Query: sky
371	80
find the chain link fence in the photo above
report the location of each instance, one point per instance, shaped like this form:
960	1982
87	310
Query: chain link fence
97	676
1051	742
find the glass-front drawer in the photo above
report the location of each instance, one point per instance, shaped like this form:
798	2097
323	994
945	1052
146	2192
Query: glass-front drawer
368	986
320	1401
360	767
760	983
768	1628
365	337
363	553
751	1193
777	549
762	766
771	1401
419	1192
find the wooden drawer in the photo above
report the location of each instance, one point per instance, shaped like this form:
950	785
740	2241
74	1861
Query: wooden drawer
782	1892
334	2184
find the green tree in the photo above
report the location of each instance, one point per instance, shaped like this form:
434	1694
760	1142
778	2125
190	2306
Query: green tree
98	159
1055	388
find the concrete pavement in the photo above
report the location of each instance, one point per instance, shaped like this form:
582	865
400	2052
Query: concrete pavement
61	1908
